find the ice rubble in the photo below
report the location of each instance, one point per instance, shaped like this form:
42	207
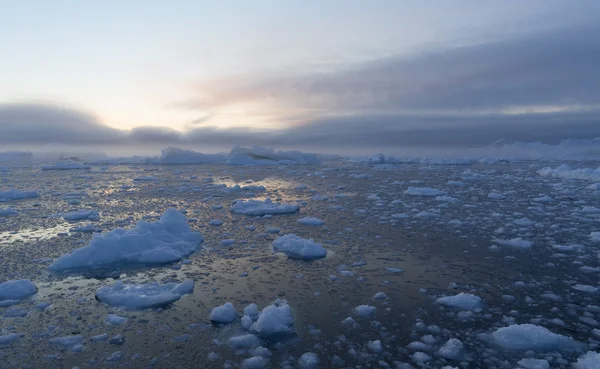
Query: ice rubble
565	171
166	240
296	247
258	155
145	295
13	194
531	337
462	301
17	290
68	165
257	207
274	320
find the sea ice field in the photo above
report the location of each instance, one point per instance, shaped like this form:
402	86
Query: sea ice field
293	263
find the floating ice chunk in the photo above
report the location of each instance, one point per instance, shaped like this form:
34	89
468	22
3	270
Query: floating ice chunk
420	357
16	313
375	346
308	360
311	221
531	337
7	339
395	270
143	296
251	310
113	319
515	242
244	341
82	215
380	296
594	186
524	222
69	165
275	319
453	349
67	341
591	360
462	301
8	212
257	207
164	241
17	289
246	321
531	363
100	337
423	191
223	314
256	362
299	248
365	310
585	288
17	195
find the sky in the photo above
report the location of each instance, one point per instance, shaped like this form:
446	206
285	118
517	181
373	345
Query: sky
320	75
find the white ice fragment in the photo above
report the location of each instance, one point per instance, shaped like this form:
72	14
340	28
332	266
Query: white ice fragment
113	319
17	289
453	349
244	341
143	296
224	314
531	363
299	248
308	360
423	191
167	240
67	341
531	337
515	242
462	301
365	310
275	319
311	221
13	194
591	360
267	207
82	215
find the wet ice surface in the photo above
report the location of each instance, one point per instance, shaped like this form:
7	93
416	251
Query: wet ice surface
521	242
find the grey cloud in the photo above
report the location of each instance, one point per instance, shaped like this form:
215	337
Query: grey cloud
34	124
558	67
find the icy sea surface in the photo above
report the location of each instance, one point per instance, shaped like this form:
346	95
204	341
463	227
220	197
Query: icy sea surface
391	266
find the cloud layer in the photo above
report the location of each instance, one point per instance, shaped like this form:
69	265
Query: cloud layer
544	87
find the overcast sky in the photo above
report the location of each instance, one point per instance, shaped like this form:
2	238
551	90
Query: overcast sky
297	74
